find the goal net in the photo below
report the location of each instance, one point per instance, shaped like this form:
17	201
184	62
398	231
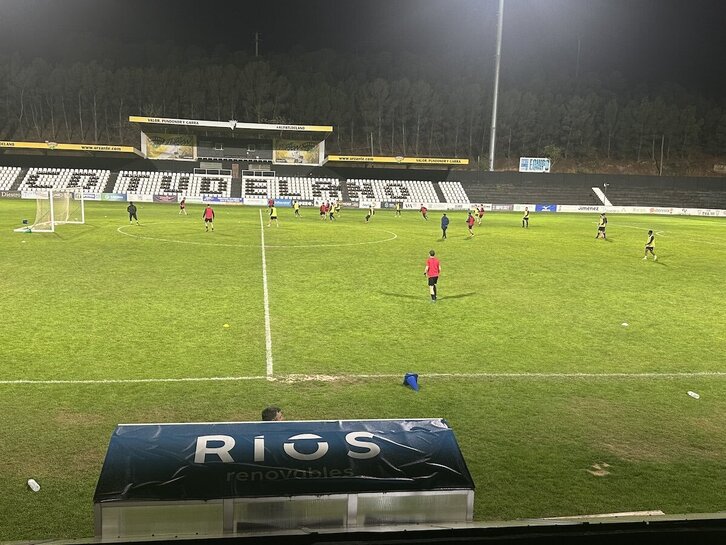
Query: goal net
56	208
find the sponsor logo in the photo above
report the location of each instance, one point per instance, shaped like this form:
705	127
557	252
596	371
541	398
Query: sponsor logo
545	208
502	207
10	195
113	196
358	446
534	164
588	208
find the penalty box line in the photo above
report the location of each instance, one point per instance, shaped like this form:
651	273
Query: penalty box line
382	376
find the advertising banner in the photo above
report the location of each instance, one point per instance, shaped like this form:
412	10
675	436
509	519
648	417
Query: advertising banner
177	147
232	124
398	159
255	201
545	208
139	197
66	147
285	203
298	152
166	198
502	207
33	194
92	196
113	197
534	164
10	195
222	200
225	460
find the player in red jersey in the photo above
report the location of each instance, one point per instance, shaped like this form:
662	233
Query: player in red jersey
183	206
432	271
424	212
208	216
480	213
322	211
470	224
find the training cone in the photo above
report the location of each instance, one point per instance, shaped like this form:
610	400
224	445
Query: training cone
411	380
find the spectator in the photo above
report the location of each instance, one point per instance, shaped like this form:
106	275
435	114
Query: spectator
270	414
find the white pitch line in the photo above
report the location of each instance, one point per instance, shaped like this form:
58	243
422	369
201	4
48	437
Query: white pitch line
332	378
662	234
132	380
266	296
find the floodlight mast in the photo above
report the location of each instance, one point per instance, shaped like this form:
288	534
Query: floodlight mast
493	135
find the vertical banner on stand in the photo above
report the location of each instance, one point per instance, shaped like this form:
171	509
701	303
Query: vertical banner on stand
177	147
298	152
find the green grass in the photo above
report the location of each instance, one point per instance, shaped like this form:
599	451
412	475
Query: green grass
88	303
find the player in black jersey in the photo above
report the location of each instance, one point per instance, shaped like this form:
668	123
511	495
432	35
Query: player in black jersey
601	225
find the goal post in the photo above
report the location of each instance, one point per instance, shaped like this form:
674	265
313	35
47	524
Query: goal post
56	208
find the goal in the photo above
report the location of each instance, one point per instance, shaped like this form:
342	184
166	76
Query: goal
56	208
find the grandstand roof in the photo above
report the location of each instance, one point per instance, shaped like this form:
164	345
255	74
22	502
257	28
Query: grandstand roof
244	129
60	149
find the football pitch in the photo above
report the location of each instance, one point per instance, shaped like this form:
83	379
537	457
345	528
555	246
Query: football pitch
561	362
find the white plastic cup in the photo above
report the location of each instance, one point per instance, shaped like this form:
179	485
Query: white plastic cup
694	395
33	485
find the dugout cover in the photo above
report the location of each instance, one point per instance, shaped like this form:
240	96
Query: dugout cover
237	476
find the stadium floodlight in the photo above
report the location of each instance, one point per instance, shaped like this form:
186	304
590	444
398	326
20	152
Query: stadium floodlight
493	134
56	208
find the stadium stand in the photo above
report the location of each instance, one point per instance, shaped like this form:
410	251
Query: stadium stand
234	149
453	193
91	180
702	194
413	191
548	190
182	183
292	187
8	176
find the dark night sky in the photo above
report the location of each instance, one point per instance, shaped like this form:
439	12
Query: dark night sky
647	40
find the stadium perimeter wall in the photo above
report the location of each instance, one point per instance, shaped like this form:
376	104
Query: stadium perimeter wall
286	203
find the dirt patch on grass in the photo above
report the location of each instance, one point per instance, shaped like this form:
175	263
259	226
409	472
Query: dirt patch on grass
84	459
599	470
646	434
292	379
67	418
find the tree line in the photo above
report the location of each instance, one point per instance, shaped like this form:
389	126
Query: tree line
378	104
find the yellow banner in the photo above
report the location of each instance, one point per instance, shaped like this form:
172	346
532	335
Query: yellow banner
298	152
399	160
68	147
169	146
